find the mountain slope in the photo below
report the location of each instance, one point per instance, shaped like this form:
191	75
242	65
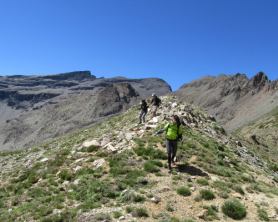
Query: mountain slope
262	133
234	100
35	108
116	169
67	116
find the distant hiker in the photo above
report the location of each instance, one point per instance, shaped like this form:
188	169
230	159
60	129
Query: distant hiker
144	108
156	102
173	133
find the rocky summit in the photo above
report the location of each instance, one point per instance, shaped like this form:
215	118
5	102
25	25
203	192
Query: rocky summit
34	109
116	171
234	100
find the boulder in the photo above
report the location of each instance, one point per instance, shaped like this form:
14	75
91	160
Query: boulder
203	214
105	140
44	160
98	163
156	199
90	143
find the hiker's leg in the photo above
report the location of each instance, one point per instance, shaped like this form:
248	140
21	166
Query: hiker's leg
141	116
174	149
154	111
168	147
144	114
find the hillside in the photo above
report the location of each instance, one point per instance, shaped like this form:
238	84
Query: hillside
117	171
234	100
262	133
37	108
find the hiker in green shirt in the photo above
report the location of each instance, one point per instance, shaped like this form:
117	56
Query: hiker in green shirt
173	133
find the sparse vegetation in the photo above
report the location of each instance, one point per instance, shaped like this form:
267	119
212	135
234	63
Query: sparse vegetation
234	209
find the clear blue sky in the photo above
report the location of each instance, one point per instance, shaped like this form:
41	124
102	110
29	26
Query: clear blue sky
178	41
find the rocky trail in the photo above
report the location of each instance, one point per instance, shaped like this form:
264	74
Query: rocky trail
117	172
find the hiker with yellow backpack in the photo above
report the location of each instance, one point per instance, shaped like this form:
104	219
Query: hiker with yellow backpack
173	134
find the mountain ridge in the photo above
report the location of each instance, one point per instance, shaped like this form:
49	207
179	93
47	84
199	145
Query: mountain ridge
234	100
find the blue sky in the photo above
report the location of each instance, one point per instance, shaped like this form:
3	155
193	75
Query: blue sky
178	41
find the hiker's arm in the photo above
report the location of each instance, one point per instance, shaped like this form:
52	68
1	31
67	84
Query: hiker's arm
180	137
158	132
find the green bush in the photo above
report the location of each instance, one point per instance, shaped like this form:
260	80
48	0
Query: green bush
117	214
207	194
184	191
92	148
150	167
223	194
238	189
203	182
128	209
139	212
234	209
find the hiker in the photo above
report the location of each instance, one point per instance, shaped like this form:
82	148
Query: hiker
156	102
144	111
173	133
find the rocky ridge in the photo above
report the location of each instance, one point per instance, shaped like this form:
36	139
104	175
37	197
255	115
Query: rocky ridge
234	100
121	168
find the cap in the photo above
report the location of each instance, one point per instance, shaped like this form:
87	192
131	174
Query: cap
153	94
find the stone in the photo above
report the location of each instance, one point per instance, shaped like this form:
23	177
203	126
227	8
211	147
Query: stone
98	163
148	127
105	140
80	148
129	136
44	160
9	210
70	191
112	148
155	120
236	195
77	169
165	188
203	214
214	178
76	182
174	105
93	142
65	183
192	189
156	199
79	160
122	218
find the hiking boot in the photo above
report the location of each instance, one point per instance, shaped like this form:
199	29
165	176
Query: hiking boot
139	122
169	169
173	160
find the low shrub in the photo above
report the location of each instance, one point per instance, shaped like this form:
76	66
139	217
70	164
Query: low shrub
139	212
92	148
207	194
117	214
234	209
184	191
203	182
150	167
